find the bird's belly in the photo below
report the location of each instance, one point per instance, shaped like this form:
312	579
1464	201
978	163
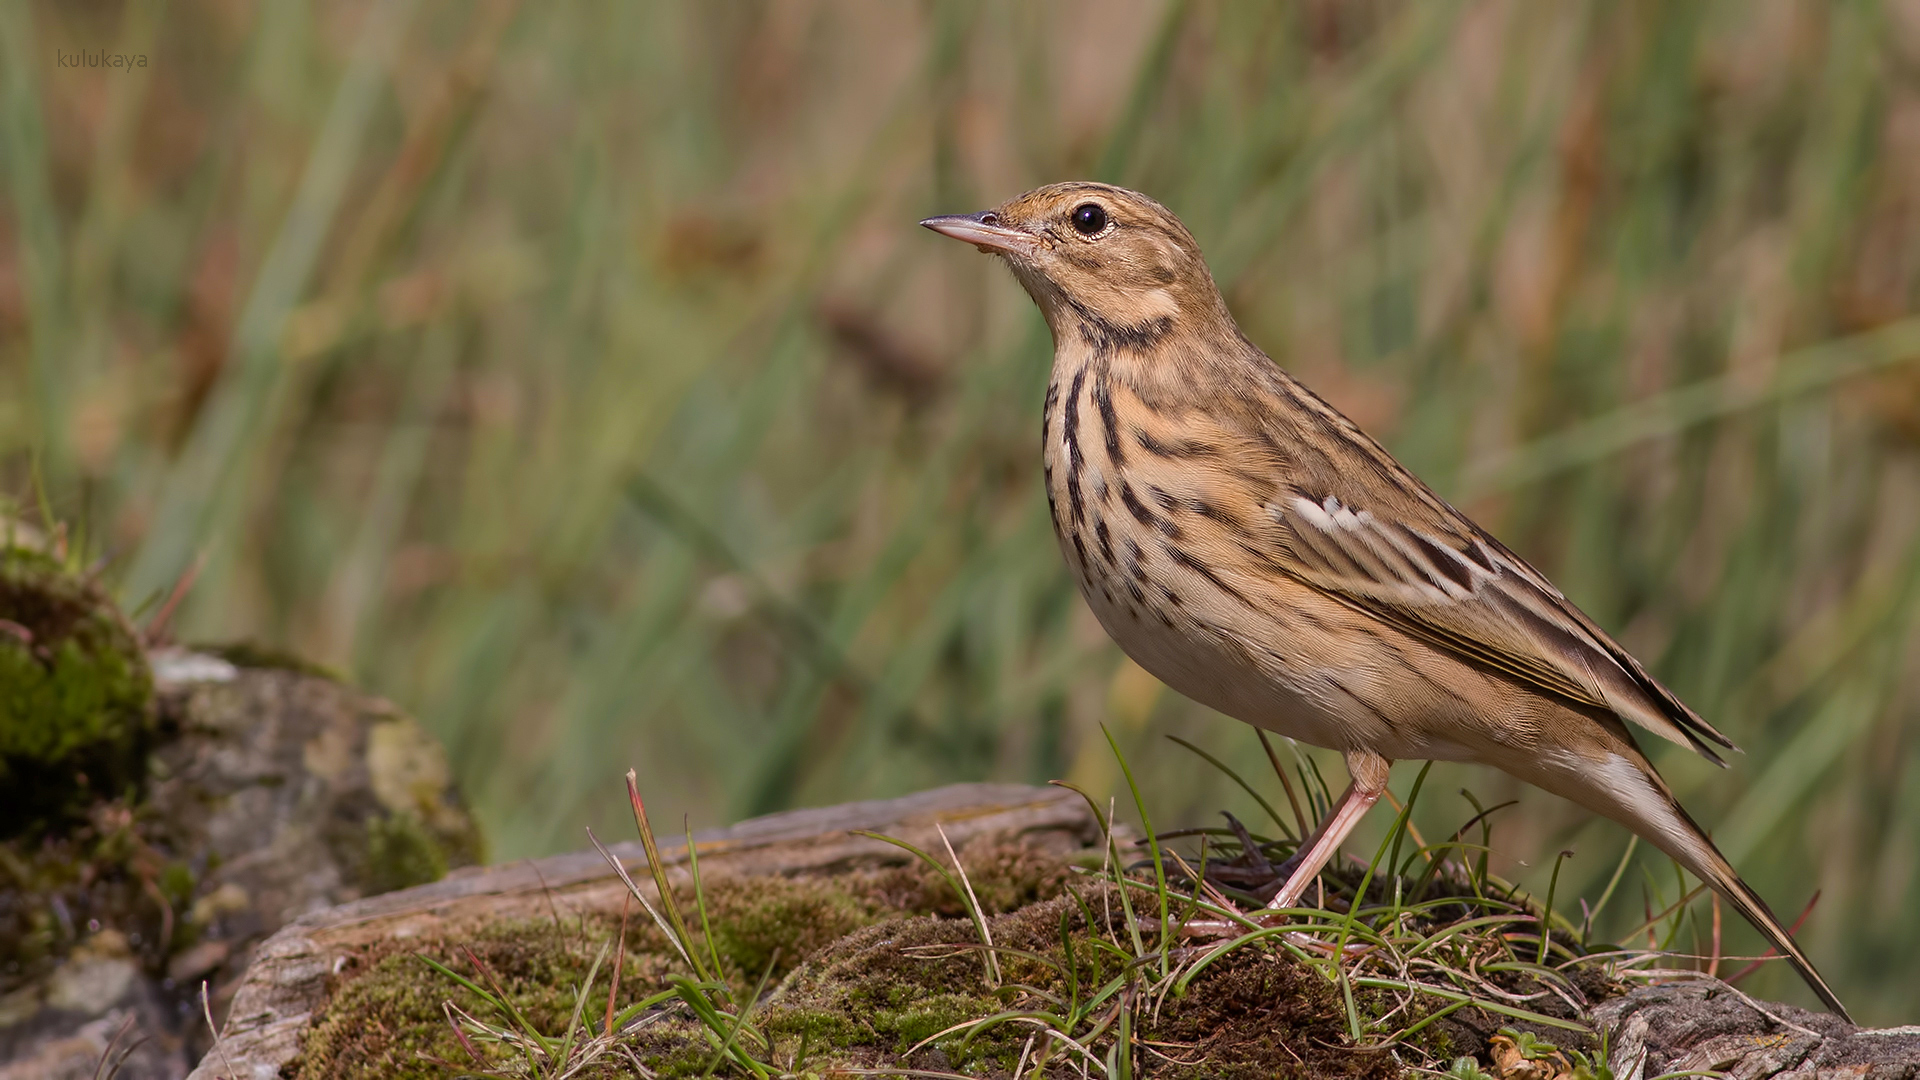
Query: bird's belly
1199	665
1315	699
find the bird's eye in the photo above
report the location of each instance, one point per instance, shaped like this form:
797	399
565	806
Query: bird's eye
1089	219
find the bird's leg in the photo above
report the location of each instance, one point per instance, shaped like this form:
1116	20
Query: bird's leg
1369	771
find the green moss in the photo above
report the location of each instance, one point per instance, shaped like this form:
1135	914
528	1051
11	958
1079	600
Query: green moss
867	1000
402	852
386	1019
77	848
76	697
779	922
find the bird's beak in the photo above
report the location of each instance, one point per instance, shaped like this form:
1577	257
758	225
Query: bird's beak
984	231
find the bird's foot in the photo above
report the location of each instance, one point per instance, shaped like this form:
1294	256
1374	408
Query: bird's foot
1249	878
1239	887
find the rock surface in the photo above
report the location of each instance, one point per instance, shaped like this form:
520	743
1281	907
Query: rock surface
270	794
307	794
1705	1025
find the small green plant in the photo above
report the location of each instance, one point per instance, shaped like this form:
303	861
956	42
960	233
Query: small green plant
1589	1067
1466	1068
1530	1046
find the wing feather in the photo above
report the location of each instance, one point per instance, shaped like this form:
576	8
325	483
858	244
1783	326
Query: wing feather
1446	582
1327	505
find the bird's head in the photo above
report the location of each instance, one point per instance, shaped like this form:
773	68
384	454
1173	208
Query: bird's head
1102	262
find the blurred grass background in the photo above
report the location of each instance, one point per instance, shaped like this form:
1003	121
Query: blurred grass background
575	375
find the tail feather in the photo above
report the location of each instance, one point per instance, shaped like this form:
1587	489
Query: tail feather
1622	784
1706	863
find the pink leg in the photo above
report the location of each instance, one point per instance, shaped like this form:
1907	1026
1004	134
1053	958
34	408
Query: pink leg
1369	771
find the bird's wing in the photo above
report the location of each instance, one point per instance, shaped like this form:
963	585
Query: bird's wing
1418	564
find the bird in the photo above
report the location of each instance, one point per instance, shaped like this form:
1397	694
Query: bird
1255	550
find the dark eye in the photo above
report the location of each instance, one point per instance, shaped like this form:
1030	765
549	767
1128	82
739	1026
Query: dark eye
1089	218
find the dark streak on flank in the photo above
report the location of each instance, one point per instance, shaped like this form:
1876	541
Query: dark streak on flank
1218	516
1046	413
1183	559
1133	590
1135	507
1103	400
1162	496
1185	448
1315	622
1070	431
1172	597
1080	549
1106	541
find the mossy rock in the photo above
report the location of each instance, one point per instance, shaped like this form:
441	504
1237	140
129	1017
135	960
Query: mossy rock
76	696
387	1020
861	974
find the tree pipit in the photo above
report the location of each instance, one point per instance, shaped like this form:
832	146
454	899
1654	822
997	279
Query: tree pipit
1259	553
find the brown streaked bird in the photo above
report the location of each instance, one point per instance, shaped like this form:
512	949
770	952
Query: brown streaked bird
1262	555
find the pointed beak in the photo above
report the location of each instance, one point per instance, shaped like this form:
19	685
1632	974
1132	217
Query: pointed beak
984	231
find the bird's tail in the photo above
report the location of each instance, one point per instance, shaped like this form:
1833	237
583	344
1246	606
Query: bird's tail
1704	860
1621	783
